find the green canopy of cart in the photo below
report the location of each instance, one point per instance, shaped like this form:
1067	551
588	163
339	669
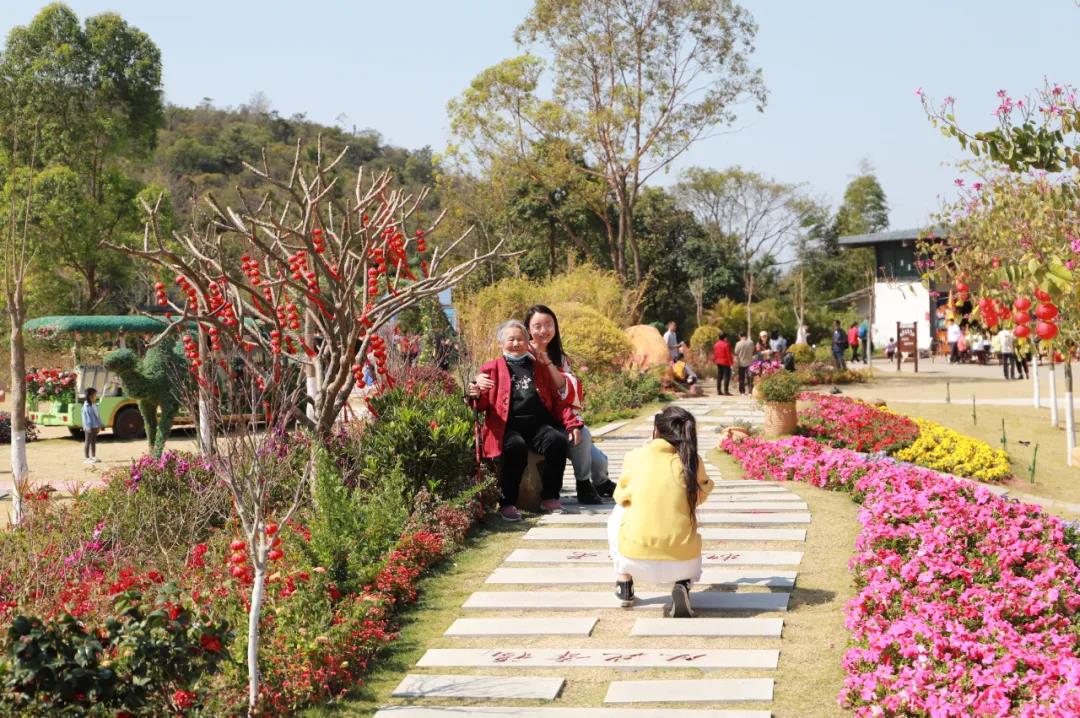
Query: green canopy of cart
132	324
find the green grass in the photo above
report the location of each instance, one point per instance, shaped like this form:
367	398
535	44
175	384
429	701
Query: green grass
1024	428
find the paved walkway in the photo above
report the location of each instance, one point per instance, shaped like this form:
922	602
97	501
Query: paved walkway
545	636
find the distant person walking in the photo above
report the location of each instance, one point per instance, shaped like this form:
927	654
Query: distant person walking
839	345
92	426
1007	341
744	357
724	359
853	341
864	340
672	341
953	334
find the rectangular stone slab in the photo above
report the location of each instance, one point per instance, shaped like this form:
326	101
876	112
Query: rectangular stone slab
493	687
587	600
703	517
748	494
703	626
714	690
521	627
544	712
708	533
708	558
590	575
608	428
528	657
761	505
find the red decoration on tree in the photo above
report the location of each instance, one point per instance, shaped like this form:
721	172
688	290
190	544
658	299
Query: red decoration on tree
1022	331
1021	318
1022	303
1046	330
1046	312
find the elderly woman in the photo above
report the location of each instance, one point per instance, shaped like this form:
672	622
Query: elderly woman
523	411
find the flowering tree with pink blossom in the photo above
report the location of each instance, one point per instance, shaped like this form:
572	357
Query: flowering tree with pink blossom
1014	236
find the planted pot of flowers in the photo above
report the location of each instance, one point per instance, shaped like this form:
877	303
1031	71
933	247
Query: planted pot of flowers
778	391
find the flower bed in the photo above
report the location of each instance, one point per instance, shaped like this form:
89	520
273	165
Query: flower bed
51	385
968	603
818	372
338	573
943	449
844	423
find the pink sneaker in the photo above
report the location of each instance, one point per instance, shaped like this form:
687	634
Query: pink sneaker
552	506
510	513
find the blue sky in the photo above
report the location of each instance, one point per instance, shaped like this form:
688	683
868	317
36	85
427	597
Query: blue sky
841	74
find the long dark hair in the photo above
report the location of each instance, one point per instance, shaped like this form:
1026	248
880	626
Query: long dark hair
554	350
678	427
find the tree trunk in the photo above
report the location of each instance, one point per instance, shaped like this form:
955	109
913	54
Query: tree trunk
206	434
19	469
749	284
1070	424
257	590
310	377
1053	392
1036	398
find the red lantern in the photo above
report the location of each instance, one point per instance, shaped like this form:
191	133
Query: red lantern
1022	303
1022	331
1020	317
1046	311
961	287
1046	330
1042	296
991	319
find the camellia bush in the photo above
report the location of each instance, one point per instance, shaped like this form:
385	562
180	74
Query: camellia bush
967	603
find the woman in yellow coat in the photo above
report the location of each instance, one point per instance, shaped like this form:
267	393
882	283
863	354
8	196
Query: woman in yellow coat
652	532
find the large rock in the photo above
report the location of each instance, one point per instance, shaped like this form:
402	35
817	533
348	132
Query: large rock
649	348
529	490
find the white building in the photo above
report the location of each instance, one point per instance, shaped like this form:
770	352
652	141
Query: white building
898	292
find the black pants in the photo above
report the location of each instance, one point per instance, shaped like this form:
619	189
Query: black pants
838	358
954	352
90	443
723	379
1022	366
854	352
546	440
746	380
1008	364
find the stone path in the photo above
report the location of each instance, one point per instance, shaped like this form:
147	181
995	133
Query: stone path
545	631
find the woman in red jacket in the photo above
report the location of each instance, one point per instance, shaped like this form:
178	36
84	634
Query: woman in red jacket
523	411
724	360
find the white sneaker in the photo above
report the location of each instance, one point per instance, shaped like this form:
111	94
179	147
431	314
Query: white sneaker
95	460
87	461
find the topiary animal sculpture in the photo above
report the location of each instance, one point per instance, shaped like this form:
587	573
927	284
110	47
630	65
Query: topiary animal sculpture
155	381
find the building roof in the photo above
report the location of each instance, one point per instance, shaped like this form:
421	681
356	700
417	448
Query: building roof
890	236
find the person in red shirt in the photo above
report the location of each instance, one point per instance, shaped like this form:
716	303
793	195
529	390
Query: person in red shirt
724	361
853	341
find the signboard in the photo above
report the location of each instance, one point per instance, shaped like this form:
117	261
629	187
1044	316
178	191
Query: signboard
907	342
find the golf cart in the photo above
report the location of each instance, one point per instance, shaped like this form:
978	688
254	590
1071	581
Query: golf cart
118	412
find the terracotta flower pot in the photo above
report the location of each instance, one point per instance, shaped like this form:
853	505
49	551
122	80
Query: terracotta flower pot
781	419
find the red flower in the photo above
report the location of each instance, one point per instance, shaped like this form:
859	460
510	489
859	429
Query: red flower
183	699
210	643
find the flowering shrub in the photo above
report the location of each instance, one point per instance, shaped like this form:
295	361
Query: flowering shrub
147	657
819	372
968	603
51	385
943	449
765	367
619	395
845	423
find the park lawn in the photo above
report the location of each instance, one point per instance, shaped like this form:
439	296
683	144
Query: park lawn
1054	479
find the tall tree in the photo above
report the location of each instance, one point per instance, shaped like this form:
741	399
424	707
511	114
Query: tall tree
634	82
73	100
865	209
762	216
95	92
